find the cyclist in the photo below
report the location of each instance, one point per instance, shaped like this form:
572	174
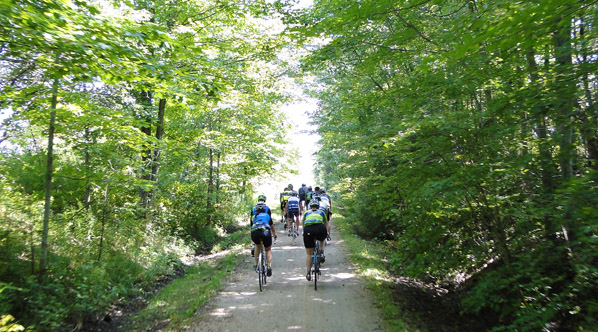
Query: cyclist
292	211
260	199
284	196
308	195
315	226
302	197
262	232
326	206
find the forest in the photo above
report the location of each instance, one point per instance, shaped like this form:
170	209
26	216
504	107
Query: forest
462	135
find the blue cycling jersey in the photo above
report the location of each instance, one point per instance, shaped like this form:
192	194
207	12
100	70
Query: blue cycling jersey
261	221
293	204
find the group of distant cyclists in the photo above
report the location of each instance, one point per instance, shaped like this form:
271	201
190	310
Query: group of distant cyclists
315	207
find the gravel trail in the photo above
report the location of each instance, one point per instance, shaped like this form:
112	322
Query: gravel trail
289	302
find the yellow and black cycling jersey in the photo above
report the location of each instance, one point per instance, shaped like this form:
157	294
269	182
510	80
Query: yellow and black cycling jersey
313	217
285	196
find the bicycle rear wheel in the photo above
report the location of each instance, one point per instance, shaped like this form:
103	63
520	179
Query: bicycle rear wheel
316	265
260	271
315	274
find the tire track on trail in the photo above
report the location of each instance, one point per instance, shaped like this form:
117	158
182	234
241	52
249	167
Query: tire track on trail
289	302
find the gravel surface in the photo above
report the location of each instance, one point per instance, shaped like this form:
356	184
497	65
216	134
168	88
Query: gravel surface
289	302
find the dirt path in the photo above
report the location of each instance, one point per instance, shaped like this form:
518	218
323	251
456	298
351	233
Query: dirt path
289	302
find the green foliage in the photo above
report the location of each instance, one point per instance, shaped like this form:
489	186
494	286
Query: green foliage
458	133
164	115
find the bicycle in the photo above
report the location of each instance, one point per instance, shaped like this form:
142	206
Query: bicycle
315	267
293	231
261	267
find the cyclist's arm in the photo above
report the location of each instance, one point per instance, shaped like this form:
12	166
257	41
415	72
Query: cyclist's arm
327	224
273	228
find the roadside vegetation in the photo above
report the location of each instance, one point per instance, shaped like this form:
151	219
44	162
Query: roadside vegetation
131	135
369	260
173	308
463	135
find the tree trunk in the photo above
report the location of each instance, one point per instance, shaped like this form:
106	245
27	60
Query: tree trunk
159	134
101	246
588	116
210	187
217	177
546	166
87	170
48	183
145	99
565	101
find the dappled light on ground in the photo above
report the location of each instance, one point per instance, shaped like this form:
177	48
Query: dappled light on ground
289	302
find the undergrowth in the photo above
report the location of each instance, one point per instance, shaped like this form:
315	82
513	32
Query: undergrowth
174	307
369	257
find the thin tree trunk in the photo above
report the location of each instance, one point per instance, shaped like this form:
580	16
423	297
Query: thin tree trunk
217	177
48	183
210	187
565	101
32	249
157	151
587	116
546	170
145	99
88	170
101	247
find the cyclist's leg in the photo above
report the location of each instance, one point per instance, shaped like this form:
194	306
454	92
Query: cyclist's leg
269	261
308	252
297	223
321	237
309	243
258	248
255	239
267	241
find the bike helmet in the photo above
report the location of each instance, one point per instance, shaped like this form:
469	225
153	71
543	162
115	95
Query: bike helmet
317	189
261	198
260	207
314	202
290	187
322	191
309	188
294	194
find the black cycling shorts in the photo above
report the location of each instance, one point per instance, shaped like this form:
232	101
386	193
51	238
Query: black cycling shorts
314	232
264	236
291	213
